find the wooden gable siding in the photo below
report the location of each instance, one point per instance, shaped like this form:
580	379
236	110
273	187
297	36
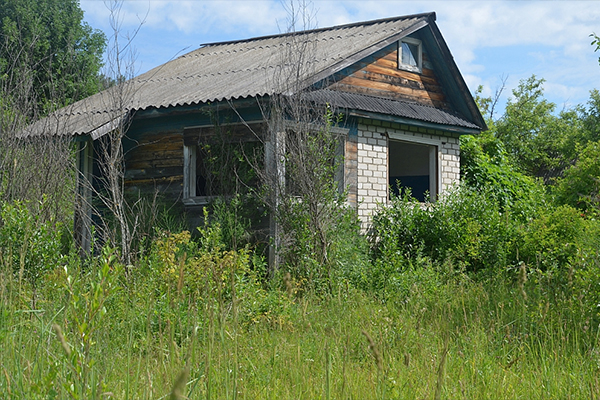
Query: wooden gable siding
379	76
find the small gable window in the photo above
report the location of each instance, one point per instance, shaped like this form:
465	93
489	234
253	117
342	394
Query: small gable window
410	55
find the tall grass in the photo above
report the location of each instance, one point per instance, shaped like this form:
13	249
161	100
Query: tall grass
195	320
469	340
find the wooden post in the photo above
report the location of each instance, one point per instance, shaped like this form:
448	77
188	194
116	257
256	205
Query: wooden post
82	223
275	166
351	169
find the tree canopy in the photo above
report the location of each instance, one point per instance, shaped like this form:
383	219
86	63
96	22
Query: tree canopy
49	56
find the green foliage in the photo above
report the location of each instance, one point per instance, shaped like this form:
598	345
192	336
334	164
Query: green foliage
47	48
464	226
212	276
29	246
320	234
539	143
486	168
580	186
590	116
596	42
239	217
555	238
86	309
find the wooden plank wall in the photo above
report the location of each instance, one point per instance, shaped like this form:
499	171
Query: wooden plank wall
381	77
155	162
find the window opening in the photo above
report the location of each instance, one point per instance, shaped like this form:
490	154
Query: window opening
220	164
413	166
410	54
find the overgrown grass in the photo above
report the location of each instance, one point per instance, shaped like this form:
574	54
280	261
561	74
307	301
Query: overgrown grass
196	320
500	339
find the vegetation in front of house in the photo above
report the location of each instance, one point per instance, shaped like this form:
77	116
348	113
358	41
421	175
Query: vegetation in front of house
442	308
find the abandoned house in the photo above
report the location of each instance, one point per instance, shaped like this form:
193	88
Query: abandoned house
403	102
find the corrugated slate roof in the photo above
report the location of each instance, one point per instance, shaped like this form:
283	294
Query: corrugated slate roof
232	70
417	111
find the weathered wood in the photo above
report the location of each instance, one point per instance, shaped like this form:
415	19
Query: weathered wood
83	203
381	93
161	163
393	64
171	179
422	96
229	133
351	169
382	77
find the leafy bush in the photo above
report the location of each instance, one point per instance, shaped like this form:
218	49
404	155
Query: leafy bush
580	186
486	167
28	245
211	277
554	238
464	226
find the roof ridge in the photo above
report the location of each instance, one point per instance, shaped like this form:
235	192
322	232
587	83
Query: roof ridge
428	15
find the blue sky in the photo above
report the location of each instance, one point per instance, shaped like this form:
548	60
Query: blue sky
490	40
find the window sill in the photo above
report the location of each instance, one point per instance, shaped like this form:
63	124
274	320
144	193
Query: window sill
410	68
199	200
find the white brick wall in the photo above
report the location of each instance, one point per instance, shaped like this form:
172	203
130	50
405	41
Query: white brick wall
372	170
372	154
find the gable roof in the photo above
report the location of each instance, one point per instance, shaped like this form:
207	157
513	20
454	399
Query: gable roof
242	69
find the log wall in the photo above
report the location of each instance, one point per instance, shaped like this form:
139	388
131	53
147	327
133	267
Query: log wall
380	76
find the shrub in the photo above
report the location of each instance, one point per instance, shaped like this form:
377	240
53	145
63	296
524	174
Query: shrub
554	238
486	168
580	185
28	245
464	226
211	277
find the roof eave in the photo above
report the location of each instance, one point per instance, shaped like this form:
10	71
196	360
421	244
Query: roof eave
414	122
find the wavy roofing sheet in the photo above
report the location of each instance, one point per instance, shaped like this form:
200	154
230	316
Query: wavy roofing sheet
399	108
231	70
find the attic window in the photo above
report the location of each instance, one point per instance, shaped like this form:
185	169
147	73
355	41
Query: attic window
410	56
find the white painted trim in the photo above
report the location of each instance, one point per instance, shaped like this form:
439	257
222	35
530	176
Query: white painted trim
395	135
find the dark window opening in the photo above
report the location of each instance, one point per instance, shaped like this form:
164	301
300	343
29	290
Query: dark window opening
227	168
413	166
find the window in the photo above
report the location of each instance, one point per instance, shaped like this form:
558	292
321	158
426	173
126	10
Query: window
413	166
410	55
219	162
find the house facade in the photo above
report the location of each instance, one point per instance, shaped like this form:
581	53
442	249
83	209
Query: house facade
402	102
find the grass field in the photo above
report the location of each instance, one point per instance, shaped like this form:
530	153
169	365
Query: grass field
96	333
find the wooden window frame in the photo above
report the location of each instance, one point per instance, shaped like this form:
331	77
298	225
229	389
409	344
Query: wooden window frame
419	59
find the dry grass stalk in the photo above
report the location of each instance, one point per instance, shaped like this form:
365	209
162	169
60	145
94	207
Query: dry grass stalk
61	338
441	372
179	386
374	350
523	279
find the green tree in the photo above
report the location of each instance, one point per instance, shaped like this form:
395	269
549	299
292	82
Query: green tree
580	186
49	56
539	142
488	167
596	42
